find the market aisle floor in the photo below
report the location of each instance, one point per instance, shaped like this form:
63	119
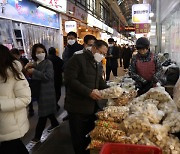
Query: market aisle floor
59	141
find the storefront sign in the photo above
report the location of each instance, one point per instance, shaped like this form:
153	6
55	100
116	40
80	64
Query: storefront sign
76	11
97	23
94	22
70	26
140	13
57	5
26	11
142	28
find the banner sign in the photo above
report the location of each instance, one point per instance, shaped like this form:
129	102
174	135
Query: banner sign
27	11
140	13
142	28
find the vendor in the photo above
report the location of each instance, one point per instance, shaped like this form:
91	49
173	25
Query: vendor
145	67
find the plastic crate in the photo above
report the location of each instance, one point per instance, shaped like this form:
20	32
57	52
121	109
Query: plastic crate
117	148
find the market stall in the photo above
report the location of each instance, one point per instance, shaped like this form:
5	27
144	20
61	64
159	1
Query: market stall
150	119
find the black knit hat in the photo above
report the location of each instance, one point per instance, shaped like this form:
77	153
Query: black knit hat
110	40
142	43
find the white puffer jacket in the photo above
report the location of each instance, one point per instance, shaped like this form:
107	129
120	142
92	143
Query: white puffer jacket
15	95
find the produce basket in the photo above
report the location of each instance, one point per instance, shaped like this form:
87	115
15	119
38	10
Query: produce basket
117	148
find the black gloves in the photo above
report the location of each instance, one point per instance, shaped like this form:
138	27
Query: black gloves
144	87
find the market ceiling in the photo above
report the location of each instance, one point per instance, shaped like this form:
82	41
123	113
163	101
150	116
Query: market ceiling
126	7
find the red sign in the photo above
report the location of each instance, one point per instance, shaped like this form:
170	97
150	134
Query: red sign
142	28
129	29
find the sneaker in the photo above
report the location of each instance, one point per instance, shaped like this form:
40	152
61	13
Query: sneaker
35	141
51	128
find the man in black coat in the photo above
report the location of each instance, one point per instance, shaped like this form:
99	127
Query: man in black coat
127	55
120	54
58	69
112	59
71	48
83	79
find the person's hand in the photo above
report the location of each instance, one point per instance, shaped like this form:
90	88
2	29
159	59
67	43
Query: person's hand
30	71
95	95
29	65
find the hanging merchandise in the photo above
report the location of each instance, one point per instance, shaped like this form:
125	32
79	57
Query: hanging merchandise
6	35
35	34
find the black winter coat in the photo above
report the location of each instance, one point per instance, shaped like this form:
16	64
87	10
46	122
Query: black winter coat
58	69
113	61
127	54
69	51
82	75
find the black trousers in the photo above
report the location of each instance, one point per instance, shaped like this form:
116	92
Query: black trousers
58	92
13	147
80	125
42	124
126	63
120	60
108	71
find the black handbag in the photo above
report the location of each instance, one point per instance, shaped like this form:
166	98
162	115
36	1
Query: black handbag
35	86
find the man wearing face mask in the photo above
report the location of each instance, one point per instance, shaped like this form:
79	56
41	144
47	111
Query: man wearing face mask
71	48
83	79
127	55
88	43
145	67
112	59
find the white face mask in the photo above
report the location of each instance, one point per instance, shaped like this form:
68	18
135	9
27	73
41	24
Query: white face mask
41	56
98	57
71	42
110	45
89	48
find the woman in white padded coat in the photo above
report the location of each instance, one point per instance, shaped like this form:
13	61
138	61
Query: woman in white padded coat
15	95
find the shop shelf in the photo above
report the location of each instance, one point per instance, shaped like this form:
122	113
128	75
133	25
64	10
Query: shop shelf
117	148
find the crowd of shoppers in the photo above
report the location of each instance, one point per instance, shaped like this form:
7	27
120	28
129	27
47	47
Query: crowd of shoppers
83	68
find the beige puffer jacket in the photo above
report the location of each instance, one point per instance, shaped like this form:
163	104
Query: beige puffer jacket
15	95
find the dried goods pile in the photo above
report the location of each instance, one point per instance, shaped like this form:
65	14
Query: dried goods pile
149	119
